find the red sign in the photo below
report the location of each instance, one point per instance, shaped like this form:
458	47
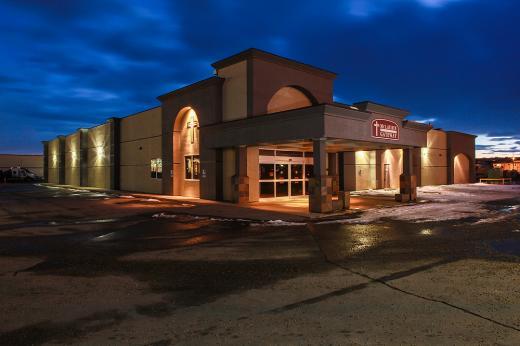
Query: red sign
385	129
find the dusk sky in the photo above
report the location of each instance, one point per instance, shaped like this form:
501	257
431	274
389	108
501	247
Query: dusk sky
70	64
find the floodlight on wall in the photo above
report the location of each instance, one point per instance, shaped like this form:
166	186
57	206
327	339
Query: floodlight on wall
100	153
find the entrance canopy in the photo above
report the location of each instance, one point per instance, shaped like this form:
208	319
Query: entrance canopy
341	126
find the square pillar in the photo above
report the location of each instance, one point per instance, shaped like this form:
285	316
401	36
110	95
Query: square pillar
83	157
45	161
407	180
240	179
114	162
61	160
347	169
333	172
379	168
320	186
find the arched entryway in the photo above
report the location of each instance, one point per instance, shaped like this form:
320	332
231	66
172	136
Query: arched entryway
461	169
289	97
186	161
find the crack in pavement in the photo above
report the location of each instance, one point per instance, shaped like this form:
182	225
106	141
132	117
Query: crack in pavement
384	281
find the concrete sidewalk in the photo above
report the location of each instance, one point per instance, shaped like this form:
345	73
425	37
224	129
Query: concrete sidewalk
295	210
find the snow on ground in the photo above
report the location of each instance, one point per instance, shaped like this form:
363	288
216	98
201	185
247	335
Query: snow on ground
444	202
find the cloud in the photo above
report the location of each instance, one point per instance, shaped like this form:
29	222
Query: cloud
491	146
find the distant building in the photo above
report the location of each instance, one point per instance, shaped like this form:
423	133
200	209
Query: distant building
34	163
263	127
510	165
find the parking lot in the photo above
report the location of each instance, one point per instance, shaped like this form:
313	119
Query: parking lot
90	267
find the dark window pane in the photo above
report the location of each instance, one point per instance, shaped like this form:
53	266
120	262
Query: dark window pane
308	154
196	167
264	152
266	171
306	187
309	171
152	174
282	171
159	175
266	190
296	188
296	171
289	153
282	189
188	167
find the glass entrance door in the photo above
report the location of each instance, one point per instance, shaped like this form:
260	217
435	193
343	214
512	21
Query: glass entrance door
284	173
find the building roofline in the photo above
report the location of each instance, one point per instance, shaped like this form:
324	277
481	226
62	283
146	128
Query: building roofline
190	87
261	54
461	133
374	107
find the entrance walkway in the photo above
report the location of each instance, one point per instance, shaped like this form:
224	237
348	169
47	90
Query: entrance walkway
300	205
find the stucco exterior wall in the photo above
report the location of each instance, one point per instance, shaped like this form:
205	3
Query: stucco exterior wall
228	171
234	91
365	170
54	161
98	156
434	159
32	162
394	159
72	159
140	142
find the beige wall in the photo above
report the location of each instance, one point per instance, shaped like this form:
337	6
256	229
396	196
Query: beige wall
461	169
365	170
234	91
434	159
54	159
141	136
32	162
72	159
228	171
99	156
287	98
393	158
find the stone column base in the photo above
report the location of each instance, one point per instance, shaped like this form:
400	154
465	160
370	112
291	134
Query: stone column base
241	189
320	194
407	188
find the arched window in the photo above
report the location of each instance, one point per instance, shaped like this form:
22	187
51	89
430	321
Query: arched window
288	98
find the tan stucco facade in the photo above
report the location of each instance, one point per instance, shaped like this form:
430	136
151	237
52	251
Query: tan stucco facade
234	91
140	142
434	159
204	141
72	159
54	161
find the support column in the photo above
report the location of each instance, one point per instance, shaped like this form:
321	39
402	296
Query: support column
348	173
320	186
45	161
379	169
240	179
61	160
114	153
334	172
83	157
407	180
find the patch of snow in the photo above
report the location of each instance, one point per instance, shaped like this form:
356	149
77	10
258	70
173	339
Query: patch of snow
150	200
126	196
164	215
516	231
446	202
276	223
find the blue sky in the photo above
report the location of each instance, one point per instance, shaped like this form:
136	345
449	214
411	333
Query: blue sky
70	64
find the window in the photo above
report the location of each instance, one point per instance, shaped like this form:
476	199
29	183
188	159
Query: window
156	168
192	167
